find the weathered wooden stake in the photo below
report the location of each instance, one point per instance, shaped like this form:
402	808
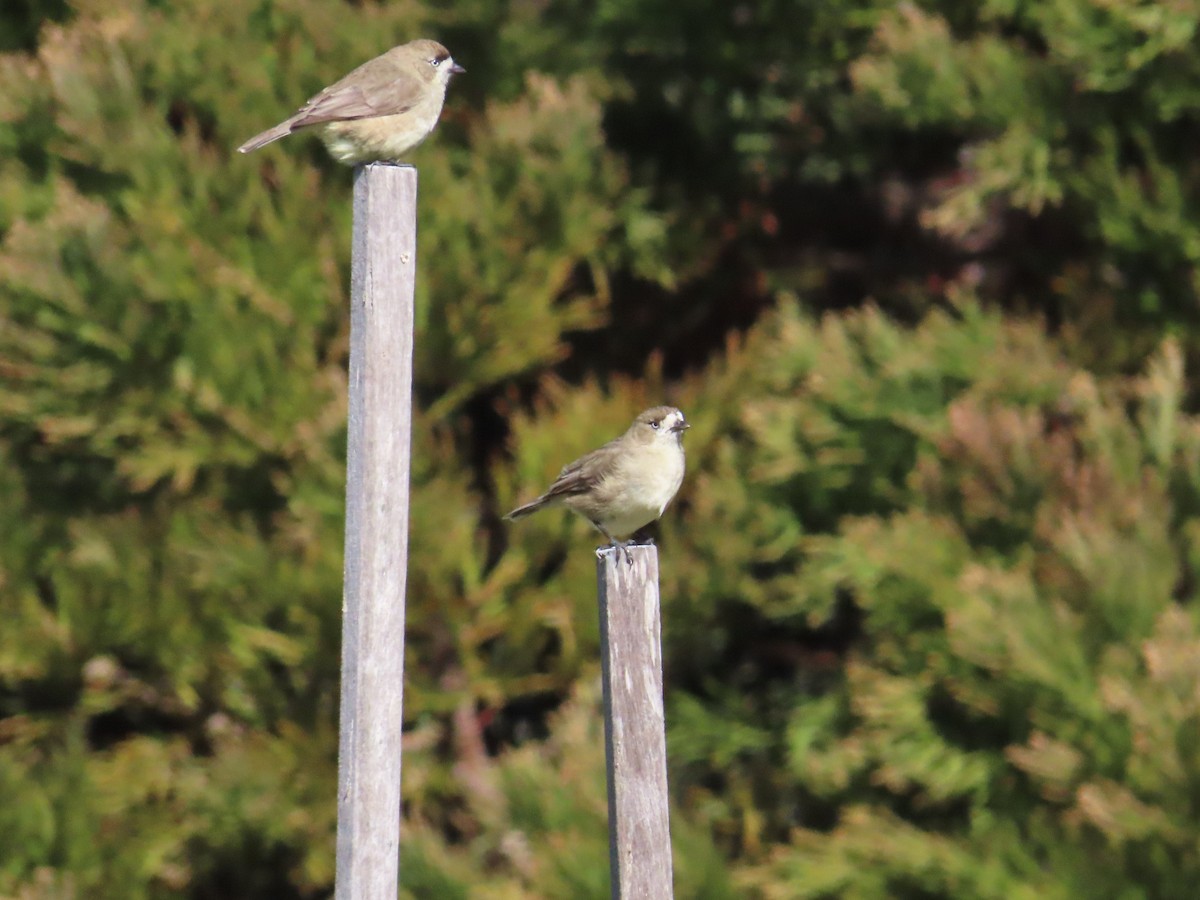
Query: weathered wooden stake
377	471
635	742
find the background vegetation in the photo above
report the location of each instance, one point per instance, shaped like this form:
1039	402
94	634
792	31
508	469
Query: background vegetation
924	276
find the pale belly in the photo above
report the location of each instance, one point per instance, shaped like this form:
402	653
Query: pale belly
386	138
642	495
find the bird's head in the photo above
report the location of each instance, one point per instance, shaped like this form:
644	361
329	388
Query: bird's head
432	61
662	423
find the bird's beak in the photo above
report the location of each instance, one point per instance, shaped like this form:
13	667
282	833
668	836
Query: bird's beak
456	69
680	426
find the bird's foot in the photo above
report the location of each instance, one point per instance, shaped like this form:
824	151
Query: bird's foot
622	549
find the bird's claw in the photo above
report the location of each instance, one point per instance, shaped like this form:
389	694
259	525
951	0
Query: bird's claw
622	549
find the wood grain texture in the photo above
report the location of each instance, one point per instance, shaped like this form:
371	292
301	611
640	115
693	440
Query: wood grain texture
377	481
634	725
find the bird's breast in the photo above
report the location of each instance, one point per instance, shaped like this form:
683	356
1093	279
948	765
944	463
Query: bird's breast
639	489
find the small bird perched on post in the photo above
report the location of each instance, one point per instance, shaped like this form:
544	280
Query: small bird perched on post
381	110
627	483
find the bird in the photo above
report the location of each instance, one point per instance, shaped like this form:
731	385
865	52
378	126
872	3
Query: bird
381	110
626	484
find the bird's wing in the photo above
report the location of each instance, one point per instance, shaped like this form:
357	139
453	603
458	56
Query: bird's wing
584	473
378	89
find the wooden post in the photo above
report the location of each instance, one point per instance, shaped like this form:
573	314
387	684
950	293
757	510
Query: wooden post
635	742
377	473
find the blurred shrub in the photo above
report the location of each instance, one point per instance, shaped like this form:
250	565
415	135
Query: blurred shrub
922	278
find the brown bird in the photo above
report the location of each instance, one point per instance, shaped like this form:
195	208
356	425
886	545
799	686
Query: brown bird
381	110
627	483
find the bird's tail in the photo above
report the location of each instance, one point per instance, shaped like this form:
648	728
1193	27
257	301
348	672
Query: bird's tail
283	129
533	506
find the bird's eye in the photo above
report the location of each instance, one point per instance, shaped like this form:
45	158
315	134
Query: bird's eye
435	62
655	425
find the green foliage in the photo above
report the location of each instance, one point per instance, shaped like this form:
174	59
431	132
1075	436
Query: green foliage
1021	616
1076	124
923	278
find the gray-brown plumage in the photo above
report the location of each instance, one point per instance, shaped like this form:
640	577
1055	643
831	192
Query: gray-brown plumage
381	110
626	484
